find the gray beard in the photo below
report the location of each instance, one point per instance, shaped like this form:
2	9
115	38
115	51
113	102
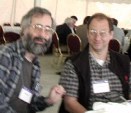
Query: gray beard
32	47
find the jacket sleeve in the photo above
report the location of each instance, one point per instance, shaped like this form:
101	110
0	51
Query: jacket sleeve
5	64
38	104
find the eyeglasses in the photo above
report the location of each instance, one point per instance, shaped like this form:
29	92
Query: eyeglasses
46	29
95	33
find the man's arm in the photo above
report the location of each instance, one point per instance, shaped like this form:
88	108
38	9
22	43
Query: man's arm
6	85
69	81
73	106
40	103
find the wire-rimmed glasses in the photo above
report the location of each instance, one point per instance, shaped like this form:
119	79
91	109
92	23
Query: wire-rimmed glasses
95	33
46	29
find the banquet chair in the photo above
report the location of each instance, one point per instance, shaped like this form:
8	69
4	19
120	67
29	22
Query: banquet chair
73	44
6	24
114	45
11	36
59	56
17	24
2	40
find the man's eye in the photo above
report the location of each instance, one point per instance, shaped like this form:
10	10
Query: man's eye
38	26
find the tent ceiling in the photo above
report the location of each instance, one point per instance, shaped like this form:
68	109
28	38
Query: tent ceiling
61	9
112	1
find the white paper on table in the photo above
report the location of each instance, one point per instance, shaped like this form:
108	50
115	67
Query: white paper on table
110	107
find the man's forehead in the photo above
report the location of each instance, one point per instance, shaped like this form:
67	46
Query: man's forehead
44	20
99	21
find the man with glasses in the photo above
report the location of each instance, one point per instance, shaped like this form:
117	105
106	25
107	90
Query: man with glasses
96	74
20	68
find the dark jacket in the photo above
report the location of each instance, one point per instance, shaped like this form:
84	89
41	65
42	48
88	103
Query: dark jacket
129	52
63	31
119	64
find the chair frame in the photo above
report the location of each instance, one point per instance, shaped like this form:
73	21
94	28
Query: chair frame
59	56
2	39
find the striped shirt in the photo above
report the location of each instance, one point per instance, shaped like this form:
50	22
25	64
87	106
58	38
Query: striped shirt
69	80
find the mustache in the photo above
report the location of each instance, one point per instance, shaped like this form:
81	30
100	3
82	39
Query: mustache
40	39
30	44
46	44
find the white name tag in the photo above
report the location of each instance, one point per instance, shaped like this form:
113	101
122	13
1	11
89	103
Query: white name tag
25	95
101	86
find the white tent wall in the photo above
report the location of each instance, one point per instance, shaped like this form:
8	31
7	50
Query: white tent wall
12	10
112	1
22	6
119	9
60	9
5	10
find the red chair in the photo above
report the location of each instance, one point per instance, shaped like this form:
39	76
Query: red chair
73	43
55	41
17	24
11	36
2	40
114	45
6	24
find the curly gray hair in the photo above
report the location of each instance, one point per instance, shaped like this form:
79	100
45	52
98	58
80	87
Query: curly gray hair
36	11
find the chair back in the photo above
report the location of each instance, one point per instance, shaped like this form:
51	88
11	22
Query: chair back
11	36
59	57
55	41
73	43
114	45
17	24
2	41
6	24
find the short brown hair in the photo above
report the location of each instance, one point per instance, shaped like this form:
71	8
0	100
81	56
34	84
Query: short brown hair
101	16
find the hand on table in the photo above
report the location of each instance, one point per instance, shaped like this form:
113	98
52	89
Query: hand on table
56	94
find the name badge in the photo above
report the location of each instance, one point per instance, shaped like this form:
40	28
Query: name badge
25	95
101	86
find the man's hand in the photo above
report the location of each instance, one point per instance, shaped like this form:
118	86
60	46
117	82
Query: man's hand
55	94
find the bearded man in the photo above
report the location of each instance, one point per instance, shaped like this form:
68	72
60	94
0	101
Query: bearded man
20	67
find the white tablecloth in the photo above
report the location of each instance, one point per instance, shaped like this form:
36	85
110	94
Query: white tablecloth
12	29
110	107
